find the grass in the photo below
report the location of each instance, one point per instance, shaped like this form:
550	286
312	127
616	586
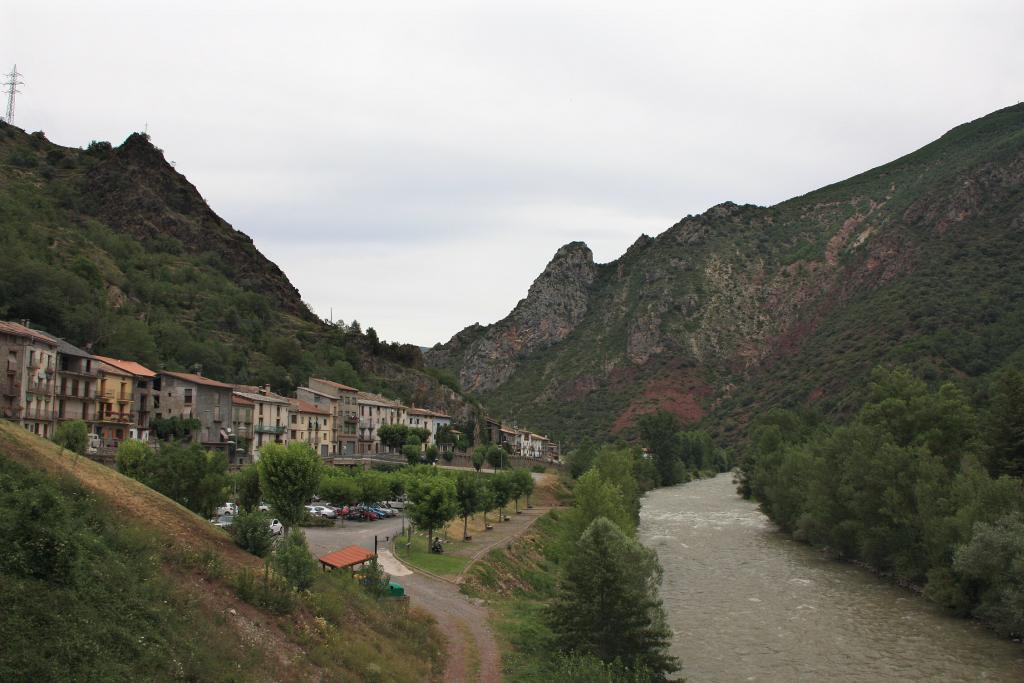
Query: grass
417	555
103	579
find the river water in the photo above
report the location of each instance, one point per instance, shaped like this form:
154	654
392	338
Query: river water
748	604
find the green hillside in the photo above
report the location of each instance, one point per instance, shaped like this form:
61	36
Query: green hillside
745	308
114	250
104	579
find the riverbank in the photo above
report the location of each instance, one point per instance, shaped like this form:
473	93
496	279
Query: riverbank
788	613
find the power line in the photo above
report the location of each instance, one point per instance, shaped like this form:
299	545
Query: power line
12	90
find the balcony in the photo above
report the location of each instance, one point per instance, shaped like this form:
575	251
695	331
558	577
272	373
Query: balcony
103	394
268	429
117	418
45	388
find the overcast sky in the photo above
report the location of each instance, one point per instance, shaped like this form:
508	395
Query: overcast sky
414	165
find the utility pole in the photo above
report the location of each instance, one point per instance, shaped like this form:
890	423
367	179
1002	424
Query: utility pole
12	84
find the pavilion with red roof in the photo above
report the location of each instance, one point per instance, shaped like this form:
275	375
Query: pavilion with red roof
346	557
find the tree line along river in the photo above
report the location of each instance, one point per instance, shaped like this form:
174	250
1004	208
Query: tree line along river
749	604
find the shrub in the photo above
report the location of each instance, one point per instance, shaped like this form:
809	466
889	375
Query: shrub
251	531
73	435
293	561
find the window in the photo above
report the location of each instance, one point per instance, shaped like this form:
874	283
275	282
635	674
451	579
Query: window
294	417
188	396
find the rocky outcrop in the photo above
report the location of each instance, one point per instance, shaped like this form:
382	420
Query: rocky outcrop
557	301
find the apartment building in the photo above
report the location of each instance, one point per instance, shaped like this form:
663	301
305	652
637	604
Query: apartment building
28	386
145	394
190	396
312	424
344	410
374	411
242	410
270	415
425	418
76	381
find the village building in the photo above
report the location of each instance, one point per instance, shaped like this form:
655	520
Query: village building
313	425
344	410
76	379
270	416
431	420
114	404
374	411
189	396
241	429
28	386
145	394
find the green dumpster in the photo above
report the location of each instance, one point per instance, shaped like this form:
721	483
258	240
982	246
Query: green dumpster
395	590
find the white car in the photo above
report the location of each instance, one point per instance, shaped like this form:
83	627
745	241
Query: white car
276	528
228	508
263	507
322	511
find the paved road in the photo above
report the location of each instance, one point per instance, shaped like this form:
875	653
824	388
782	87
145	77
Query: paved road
323	540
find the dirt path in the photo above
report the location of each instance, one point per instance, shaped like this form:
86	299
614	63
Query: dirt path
473	653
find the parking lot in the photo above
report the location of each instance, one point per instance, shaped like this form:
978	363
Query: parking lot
323	540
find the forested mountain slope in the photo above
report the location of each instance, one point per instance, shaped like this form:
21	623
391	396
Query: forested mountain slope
114	250
744	308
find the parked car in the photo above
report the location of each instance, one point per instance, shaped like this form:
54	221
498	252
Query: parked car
395	504
223	521
93	445
276	528
227	508
263	507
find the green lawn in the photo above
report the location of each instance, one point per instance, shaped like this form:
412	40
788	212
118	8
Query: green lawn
418	556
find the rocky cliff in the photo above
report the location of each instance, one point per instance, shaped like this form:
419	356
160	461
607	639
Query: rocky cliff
743	308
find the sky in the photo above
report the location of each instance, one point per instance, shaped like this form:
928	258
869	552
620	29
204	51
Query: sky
415	165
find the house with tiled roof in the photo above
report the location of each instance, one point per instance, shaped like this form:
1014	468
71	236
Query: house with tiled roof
190	396
376	410
270	415
27	385
343	402
312	424
145	393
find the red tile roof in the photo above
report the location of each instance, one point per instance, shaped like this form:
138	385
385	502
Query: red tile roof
196	379
19	330
128	366
346	557
336	385
307	407
241	400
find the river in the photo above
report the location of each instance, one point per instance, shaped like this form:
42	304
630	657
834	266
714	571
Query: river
749	604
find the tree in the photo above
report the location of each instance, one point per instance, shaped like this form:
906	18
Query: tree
607	604
448	454
467	498
289	476
393	436
615	465
374	486
131	458
251	531
658	431
432	454
479	457
339	488
413	449
501	487
292	559
523	485
495	456
1004	425
72	435
486	499
186	474
247	484
597	497
994	562
581	458
433	504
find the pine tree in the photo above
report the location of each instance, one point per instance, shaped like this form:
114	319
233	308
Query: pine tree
607	602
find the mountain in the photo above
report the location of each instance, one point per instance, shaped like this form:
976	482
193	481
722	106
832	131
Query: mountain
745	308
114	250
